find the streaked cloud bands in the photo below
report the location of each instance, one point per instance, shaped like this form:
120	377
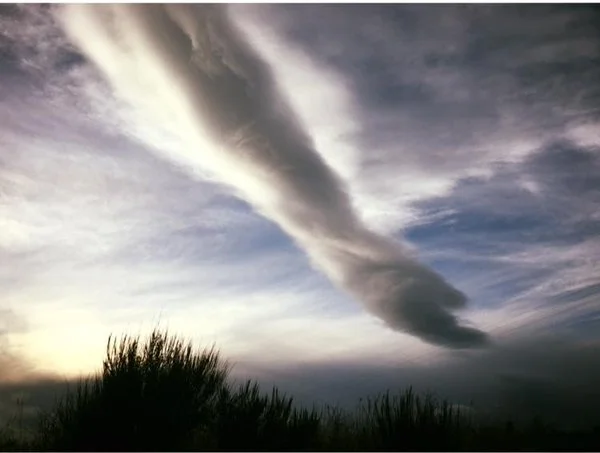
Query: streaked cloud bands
193	63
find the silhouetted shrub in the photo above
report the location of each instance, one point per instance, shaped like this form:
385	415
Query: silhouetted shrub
10	442
408	422
263	422
156	396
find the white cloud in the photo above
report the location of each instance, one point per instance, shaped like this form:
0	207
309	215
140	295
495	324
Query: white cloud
258	148
80	204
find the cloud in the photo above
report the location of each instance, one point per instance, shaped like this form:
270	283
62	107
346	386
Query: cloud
470	130
13	367
552	376
522	240
200	71
21	401
440	93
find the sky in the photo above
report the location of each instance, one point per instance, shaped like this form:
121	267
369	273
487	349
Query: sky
343	198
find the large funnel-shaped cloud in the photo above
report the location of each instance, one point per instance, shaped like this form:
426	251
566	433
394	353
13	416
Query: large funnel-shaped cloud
192	64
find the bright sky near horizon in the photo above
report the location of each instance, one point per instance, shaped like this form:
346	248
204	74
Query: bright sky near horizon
327	187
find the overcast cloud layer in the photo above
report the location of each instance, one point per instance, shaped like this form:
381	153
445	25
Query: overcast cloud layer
464	138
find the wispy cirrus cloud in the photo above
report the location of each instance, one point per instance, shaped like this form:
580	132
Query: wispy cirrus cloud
526	237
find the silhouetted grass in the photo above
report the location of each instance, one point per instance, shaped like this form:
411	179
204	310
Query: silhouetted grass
155	396
163	395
